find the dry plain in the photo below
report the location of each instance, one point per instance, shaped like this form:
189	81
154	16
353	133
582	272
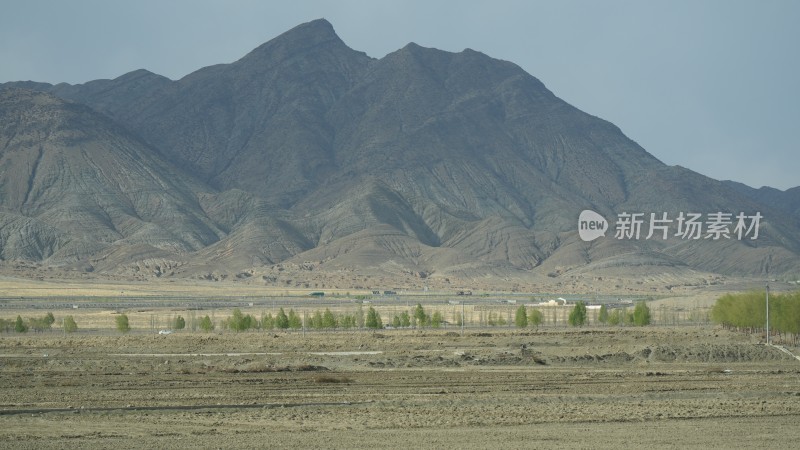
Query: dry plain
666	386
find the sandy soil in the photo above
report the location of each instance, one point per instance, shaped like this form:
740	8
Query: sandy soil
592	388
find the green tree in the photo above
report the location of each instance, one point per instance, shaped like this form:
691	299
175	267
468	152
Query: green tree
436	319
69	325
405	319
641	314
746	312
295	322
348	321
251	322
373	319
179	323
206	324
329	321
577	317
267	322
535	318
396	321
521	317
39	324
49	319
236	321
420	315
615	318
19	325
603	316
282	320
122	323
316	321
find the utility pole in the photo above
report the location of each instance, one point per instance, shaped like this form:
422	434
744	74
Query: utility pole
463	319
767	312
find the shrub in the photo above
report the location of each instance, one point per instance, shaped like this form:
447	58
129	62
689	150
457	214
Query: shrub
331	379
179	323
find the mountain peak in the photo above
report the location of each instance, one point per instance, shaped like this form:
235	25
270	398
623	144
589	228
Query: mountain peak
318	30
316	24
298	40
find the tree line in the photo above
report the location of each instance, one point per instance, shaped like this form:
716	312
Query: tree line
319	320
37	324
640	316
747	312
418	317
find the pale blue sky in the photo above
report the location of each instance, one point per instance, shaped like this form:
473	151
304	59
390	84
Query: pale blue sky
710	85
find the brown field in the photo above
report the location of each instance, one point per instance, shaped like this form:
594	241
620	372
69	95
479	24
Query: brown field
671	386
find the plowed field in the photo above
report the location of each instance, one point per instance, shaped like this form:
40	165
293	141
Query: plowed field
598	388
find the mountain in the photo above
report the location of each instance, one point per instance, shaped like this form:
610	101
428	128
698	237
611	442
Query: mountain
306	153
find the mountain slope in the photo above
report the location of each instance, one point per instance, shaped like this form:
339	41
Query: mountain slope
256	124
78	183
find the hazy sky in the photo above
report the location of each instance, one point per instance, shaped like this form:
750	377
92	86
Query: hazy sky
710	85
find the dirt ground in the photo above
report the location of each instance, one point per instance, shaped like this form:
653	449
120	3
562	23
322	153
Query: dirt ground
678	387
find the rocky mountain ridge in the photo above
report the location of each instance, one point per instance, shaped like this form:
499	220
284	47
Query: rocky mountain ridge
306	151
